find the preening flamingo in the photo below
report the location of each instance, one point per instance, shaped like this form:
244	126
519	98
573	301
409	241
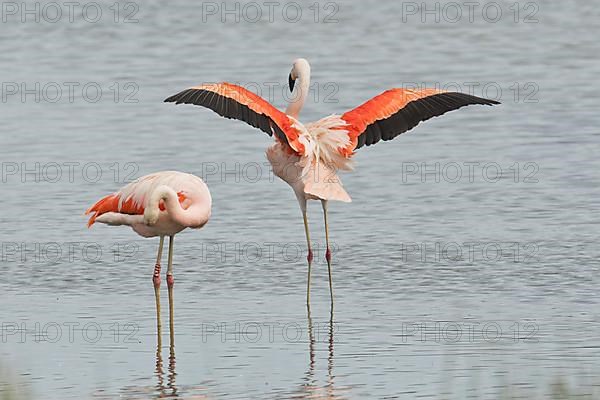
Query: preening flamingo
308	156
160	204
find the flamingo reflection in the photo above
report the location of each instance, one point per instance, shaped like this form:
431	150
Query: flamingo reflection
168	390
311	388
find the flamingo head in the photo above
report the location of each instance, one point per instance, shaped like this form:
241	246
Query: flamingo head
300	70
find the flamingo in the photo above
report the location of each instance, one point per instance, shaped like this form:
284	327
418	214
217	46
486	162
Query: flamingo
308	156
160	204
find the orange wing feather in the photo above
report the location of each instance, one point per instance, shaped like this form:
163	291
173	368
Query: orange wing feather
233	101
398	110
110	203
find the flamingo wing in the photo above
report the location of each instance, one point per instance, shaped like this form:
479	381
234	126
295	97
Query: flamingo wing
114	203
396	111
131	199
235	102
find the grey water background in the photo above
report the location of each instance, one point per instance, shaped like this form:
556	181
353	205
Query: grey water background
425	306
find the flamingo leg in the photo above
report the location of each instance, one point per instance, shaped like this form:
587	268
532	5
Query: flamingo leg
170	283
328	251
309	257
156	281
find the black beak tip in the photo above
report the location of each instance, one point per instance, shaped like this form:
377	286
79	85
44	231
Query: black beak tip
291	82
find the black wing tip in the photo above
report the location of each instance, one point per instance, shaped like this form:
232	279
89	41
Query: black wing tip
474	99
174	99
179	98
489	102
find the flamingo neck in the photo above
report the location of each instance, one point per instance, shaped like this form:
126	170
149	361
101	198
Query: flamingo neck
299	98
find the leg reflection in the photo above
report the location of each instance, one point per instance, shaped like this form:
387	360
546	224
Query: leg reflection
159	364
169	390
330	357
311	388
311	346
172	373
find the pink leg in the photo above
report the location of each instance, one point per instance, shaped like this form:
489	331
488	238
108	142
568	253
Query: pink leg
170	283
328	252
309	257
156	281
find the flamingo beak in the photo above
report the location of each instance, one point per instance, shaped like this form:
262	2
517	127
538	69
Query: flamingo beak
291	82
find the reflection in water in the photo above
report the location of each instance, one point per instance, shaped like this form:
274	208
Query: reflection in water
311	389
330	356
164	388
169	390
310	380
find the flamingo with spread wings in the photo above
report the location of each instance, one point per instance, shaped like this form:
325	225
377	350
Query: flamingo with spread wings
308	156
160	204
